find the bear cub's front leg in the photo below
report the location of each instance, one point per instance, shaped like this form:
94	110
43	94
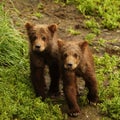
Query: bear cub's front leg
70	91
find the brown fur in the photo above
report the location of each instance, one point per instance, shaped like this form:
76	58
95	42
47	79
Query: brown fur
43	51
77	60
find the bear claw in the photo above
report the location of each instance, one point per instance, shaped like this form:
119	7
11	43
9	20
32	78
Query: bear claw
75	114
93	103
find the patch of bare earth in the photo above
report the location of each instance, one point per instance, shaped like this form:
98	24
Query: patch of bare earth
65	16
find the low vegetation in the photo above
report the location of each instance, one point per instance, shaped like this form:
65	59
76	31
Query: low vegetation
93	25
73	32
108	75
105	12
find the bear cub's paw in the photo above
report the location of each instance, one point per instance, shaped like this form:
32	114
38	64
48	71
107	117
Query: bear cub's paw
92	99
74	113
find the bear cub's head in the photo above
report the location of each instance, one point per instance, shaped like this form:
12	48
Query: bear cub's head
71	53
40	35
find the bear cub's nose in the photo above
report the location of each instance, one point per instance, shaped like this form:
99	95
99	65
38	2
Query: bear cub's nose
69	65
37	46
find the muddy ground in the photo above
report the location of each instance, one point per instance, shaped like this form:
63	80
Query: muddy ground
65	16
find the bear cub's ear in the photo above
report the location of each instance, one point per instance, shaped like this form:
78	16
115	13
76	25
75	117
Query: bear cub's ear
60	43
28	25
83	45
52	28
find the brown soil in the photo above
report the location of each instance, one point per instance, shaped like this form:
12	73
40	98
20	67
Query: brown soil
65	16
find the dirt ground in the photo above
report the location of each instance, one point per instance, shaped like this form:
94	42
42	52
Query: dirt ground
22	11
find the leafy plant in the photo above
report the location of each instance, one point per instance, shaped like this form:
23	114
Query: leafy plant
93	25
108	75
102	42
38	15
73	32
107	11
90	37
40	6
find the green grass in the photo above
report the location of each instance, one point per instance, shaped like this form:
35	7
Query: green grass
90	37
93	25
17	99
38	15
106	12
73	31
108	75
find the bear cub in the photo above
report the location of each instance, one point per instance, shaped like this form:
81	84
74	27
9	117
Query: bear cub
43	51
77	60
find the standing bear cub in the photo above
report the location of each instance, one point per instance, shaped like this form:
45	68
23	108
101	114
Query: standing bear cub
77	60
43	51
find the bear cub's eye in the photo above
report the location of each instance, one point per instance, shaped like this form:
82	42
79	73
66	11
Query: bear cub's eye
43	38
65	55
75	55
33	37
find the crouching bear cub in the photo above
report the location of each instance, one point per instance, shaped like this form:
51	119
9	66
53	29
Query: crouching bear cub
77	59
43	51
